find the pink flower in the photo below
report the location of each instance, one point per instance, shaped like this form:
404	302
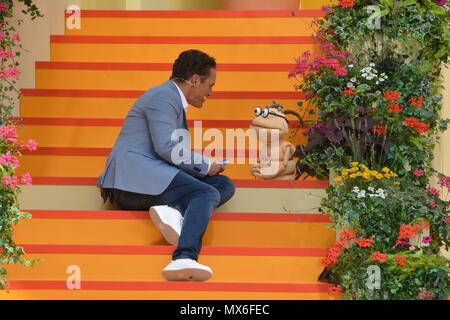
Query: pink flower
13	72
32	145
434	204
6	180
4	7
426	295
5	54
9	133
444	182
433	191
427	240
9	159
16	37
447	220
26	179
2	36
12	182
419	172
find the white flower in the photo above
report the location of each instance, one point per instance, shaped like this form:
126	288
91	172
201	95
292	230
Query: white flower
350	85
381	79
378	92
364	75
372	64
355	190
371	189
378	82
350	66
362	194
383	74
353	79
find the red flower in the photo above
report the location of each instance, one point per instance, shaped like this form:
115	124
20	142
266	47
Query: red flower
349	91
407	232
365	243
378	256
396	107
419	172
347	3
381	130
401	261
416	102
348	235
391	95
420	126
335	290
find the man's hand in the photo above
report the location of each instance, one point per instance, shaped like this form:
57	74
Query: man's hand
216	169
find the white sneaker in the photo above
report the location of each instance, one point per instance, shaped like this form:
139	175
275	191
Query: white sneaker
169	221
186	269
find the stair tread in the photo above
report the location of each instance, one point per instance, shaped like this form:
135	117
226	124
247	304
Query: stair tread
198	13
159	249
143	215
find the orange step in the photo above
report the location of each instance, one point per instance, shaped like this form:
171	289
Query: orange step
144	263
143	49
104	104
214	109
131	76
136	228
102	133
193	22
135	290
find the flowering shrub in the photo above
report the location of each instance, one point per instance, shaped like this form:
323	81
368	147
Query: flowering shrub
375	86
387	77
389	222
10	146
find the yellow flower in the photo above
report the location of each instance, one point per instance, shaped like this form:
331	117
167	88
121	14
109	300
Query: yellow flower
353	176
396	183
385	170
338	179
354	164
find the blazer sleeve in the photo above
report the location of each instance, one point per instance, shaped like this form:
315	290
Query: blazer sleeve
169	144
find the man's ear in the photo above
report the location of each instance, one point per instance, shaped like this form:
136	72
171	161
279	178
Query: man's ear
195	79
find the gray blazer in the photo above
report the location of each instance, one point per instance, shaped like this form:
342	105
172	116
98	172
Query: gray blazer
142	160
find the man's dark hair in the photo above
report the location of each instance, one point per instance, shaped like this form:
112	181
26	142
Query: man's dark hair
192	62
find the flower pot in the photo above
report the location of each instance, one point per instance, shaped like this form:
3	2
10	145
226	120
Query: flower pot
260	4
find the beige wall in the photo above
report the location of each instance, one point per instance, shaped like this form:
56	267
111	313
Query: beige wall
36	36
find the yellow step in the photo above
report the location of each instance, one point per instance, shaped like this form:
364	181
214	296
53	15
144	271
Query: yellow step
93	166
81	107
102	133
116	49
193	23
97	78
145	263
136	228
121	290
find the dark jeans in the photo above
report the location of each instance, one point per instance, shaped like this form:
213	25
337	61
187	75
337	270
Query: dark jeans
195	198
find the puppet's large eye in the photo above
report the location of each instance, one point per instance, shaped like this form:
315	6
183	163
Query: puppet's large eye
265	113
258	111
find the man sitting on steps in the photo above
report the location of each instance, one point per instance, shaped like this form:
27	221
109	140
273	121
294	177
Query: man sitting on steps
143	172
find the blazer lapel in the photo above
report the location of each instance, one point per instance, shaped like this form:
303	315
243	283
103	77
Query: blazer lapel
185	124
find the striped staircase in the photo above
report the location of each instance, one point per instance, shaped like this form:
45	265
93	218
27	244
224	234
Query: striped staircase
266	243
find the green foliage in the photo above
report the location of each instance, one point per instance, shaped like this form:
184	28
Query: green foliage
377	93
10	147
